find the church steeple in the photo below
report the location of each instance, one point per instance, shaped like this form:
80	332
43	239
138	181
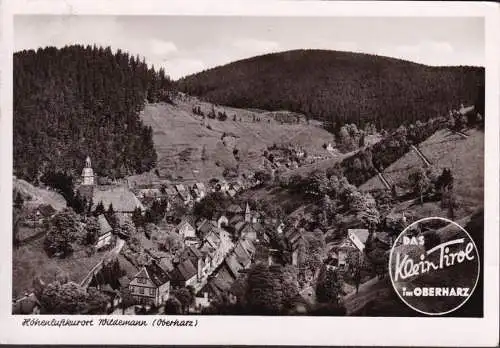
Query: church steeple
248	213
88	173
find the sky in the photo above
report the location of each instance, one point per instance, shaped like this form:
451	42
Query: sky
185	45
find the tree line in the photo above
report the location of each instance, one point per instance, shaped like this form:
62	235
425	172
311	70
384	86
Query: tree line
83	100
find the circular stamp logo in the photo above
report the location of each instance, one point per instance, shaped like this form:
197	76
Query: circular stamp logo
434	266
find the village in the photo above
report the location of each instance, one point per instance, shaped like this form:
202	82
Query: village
181	253
160	247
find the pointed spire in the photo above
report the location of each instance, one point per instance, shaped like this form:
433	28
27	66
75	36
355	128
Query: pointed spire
88	164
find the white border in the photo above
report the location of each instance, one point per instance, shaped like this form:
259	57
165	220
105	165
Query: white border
268	330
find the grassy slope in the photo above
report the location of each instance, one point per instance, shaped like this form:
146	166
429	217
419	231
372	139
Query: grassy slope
39	195
176	130
465	158
30	260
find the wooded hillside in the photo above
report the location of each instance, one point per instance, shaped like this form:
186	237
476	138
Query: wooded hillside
79	101
339	87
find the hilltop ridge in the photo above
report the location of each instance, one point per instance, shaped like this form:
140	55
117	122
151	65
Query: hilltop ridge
339	87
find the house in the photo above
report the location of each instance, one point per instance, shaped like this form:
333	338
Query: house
248	232
185	228
170	192
184	193
184	274
231	192
149	193
219	285
196	257
358	237
237	187
235	219
354	242
28	304
293	237
200	303
223	185
233	265
105	232
199	191
213	240
239	227
45	210
86	191
234	209
274	257
242	255
151	285
248	246
204	226
123	200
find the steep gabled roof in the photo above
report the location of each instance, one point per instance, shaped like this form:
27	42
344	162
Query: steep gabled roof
360	233
242	255
86	191
239	226
234	209
157	274
142	273
235	219
224	278
186	219
104	226
248	246
122	199
213	239
206	227
192	253
186	270
180	187
358	237
233	264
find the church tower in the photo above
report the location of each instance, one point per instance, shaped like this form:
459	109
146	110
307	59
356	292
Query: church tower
248	214
88	173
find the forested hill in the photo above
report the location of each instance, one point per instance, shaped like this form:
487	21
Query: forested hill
78	101
339	87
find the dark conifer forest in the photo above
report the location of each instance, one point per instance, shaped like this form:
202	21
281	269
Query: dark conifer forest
78	101
339	87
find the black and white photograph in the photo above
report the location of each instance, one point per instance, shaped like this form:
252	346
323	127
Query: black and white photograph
201	166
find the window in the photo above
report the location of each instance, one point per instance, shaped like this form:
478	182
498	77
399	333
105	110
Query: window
141	291
152	291
132	288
